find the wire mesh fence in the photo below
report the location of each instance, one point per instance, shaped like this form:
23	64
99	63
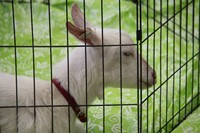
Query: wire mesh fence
170	32
34	38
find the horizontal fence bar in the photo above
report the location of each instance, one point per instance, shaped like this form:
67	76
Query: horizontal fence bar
90	105
66	46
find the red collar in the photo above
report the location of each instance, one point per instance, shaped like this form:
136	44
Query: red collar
71	101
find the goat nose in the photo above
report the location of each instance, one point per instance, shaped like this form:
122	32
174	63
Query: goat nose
154	75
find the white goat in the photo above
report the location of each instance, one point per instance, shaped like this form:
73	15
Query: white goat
41	121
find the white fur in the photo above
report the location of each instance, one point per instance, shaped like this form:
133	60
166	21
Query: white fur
77	84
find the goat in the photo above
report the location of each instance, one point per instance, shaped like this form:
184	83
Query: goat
40	119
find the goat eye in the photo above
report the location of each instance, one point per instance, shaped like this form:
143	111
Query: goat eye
127	54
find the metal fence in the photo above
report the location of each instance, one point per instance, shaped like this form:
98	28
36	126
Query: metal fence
166	34
176	52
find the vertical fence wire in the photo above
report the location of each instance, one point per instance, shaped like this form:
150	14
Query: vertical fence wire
174	43
193	13
147	8
180	56
103	83
160	63
186	80
186	75
138	92
154	56
199	58
51	74
120	46
33	59
68	81
167	64
16	72
86	70
140	65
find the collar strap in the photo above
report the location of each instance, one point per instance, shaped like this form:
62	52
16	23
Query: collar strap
71	101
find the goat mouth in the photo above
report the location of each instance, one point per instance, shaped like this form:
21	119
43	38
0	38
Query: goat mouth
146	84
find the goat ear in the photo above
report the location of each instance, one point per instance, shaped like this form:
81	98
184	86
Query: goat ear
85	35
81	29
78	17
